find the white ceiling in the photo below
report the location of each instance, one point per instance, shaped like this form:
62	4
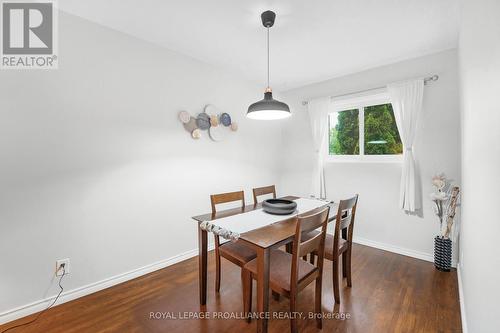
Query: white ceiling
312	40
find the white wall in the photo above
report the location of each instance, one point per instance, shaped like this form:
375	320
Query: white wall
479	54
380	222
96	167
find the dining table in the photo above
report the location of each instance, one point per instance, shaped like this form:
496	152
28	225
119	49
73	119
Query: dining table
262	239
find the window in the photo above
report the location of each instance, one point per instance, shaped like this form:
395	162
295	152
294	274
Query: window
363	129
344	132
381	132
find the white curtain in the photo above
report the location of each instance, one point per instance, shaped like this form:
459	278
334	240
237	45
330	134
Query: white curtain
406	100
318	115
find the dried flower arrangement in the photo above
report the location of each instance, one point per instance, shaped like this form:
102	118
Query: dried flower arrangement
445	198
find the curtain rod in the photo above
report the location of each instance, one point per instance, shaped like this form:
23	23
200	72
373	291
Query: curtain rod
428	79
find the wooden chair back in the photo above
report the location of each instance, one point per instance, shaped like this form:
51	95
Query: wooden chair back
221	198
257	192
345	219
313	245
216	199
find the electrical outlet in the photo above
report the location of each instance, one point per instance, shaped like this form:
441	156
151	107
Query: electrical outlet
59	269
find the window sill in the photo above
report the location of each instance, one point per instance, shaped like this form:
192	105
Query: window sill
365	159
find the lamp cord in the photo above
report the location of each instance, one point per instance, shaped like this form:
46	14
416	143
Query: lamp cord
268	57
41	313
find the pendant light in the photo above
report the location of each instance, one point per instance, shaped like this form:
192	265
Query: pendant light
268	108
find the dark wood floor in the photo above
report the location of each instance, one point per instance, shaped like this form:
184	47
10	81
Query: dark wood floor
390	293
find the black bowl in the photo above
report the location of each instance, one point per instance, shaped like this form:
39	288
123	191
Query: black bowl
279	206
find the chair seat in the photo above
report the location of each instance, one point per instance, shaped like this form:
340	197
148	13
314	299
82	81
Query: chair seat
280	267
237	250
343	244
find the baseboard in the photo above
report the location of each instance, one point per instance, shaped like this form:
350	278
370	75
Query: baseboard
462	299
395	249
70	295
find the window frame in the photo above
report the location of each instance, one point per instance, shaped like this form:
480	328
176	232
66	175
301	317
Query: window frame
358	102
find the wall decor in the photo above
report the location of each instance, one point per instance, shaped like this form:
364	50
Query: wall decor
203	121
190	126
217	124
210	109
184	117
218	133
196	134
214	121
225	119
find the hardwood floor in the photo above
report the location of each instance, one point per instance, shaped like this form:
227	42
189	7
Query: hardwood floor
390	293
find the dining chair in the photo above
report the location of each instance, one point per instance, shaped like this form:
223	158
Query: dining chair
288	273
235	252
259	191
336	246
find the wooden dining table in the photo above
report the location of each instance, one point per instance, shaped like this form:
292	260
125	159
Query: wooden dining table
262	240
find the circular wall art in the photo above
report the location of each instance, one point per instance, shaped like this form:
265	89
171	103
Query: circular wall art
196	134
184	117
225	119
218	125
203	121
218	133
210	109
190	126
214	120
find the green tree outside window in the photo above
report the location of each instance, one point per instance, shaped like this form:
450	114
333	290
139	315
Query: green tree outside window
381	136
344	133
381	132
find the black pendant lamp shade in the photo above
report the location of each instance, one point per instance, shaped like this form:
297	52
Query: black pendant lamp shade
268	108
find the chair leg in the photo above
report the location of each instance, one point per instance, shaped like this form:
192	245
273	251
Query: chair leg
344	258
311	258
304	258
336	291
317	303
288	248
217	271
344	264
246	276
293	320
348	266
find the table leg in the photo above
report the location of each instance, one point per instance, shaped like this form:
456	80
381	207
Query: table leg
262	289
202	262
